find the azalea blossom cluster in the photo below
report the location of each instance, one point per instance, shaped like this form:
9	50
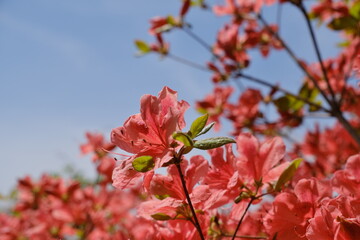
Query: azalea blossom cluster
151	185
300	205
197	198
54	207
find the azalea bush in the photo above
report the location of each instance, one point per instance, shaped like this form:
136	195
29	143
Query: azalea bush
159	178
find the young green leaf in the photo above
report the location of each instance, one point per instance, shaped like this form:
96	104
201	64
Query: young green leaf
184	138
142	46
162	197
198	125
143	163
284	103
289	103
288	173
355	10
161	216
344	23
210	143
206	129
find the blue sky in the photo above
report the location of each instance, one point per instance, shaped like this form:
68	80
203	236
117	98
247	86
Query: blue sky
67	67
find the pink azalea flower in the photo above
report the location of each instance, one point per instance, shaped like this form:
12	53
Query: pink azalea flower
149	133
329	9
357	66
324	147
215	103
347	181
337	218
256	161
246	110
97	145
240	7
291	211
170	188
260	161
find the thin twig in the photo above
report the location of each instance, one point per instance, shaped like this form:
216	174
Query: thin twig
317	115
317	50
335	111
293	56
198	39
242	218
187	62
197	224
243	236
257	80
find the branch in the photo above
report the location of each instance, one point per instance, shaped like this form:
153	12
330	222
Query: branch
293	56
350	129
257	80
197	224
242	217
317	50
335	111
198	39
187	62
243	236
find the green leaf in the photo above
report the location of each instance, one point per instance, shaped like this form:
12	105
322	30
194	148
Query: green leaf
291	104
283	103
355	10
343	44
171	20
308	93
199	3
142	46
198	125
184	138
161	216
243	195
313	108
143	163
342	23
211	143
312	15
161	197
206	128
288	173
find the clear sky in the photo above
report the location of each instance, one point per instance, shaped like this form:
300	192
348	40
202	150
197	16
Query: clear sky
67	67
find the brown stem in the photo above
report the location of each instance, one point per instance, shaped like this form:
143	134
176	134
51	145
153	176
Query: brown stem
350	129
244	236
317	50
198	39
188	62
335	110
242	217
296	60
197	224
257	80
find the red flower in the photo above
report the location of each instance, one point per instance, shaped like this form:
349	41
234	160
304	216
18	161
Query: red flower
291	211
96	144
149	133
229	177
215	103
335	219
